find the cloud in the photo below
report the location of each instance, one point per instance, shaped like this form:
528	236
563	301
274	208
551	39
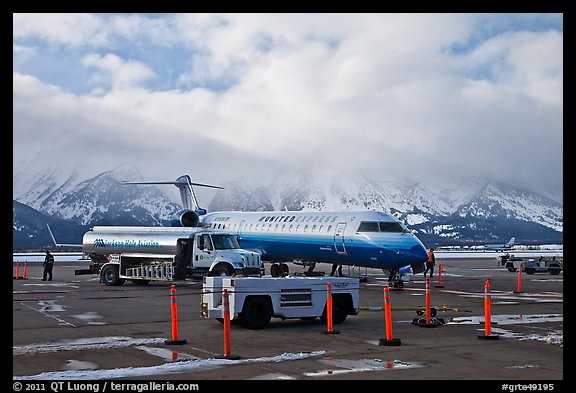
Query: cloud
118	72
227	95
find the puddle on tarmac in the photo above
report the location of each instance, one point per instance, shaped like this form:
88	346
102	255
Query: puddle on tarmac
84	344
555	337
348	366
166	353
522	366
74	365
50	306
90	318
508	319
272	376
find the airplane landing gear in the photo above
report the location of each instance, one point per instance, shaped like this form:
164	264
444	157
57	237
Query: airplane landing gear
394	280
279	269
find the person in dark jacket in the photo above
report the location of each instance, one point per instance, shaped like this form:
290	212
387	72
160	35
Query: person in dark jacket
48	265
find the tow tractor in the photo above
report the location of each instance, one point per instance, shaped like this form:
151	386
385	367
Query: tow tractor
530	266
253	301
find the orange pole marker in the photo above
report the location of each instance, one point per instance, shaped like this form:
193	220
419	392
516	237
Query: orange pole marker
427	322
389	341
329	327
439	283
226	309
519	284
25	271
17	271
487	314
174	314
428	318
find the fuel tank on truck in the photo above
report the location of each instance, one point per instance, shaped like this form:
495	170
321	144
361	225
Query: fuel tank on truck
106	240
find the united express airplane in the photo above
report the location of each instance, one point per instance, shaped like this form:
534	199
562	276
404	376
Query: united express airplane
368	238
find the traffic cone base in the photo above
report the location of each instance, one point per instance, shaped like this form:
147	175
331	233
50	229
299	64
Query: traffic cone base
489	337
175	342
330	332
229	357
395	342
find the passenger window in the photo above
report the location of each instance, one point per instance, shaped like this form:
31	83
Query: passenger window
320	229
314	228
305	228
290	228
329	228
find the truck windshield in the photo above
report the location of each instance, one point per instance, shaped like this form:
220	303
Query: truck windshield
225	242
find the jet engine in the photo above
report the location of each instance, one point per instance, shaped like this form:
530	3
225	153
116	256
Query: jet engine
185	218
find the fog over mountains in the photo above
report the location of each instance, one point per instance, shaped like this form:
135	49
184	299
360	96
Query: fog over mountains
466	212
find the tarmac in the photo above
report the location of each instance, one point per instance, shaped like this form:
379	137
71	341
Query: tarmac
75	328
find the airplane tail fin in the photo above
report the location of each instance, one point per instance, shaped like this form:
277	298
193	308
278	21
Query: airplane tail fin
184	184
511	242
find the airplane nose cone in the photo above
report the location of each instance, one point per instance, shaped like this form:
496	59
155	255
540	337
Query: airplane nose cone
416	253
419	253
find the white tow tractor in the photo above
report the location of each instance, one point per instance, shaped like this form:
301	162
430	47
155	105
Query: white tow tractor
253	301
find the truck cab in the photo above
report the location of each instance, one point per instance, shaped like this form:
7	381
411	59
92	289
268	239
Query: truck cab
196	255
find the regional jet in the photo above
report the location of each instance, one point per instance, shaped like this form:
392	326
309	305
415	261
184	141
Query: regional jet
372	239
500	247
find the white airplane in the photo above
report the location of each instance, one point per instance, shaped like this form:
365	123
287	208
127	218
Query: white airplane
368	238
501	247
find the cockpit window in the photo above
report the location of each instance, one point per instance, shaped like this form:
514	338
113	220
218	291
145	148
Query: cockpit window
392	227
367	226
374	226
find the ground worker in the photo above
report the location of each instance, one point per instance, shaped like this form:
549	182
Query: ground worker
48	265
430	263
334	267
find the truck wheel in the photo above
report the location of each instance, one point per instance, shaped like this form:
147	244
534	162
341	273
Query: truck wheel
256	313
222	270
284	269
339	312
275	270
110	276
510	267
555	270
530	270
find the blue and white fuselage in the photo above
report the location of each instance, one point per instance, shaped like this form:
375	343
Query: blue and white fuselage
362	238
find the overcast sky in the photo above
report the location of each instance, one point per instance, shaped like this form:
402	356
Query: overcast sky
219	96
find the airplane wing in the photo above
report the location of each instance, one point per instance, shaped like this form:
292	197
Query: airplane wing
61	244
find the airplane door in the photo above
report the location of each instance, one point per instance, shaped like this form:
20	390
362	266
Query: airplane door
204	251
339	238
240	228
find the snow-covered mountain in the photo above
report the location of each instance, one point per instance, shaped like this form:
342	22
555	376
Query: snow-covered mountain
471	211
77	204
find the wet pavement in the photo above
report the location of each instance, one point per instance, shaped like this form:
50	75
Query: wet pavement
76	328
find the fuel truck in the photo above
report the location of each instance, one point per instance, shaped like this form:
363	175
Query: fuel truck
144	254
